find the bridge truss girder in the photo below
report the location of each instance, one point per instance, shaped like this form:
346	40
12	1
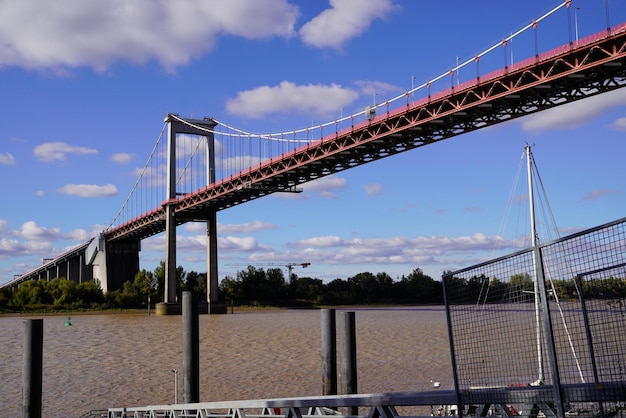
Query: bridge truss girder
565	76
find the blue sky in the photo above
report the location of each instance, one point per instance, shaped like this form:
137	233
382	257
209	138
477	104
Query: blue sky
85	87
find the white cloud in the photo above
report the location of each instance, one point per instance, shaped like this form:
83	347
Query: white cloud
31	231
288	98
9	247
7	158
57	151
240	244
335	250
379	89
323	241
619	125
197	243
98	34
373	190
344	20
122	158
89	190
325	183
326	186
38	247
78	235
244	228
397	250
576	114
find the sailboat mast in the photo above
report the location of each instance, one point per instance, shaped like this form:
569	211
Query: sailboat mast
533	229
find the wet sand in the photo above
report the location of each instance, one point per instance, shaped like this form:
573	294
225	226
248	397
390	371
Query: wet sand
116	360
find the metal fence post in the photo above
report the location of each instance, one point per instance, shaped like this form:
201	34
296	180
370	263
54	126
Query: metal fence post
32	368
347	349
191	348
329	352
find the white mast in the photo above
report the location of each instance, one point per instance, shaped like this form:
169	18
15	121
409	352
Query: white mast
533	229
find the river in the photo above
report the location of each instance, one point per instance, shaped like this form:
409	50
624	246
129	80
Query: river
116	360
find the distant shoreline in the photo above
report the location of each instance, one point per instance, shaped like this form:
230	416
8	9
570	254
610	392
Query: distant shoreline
235	309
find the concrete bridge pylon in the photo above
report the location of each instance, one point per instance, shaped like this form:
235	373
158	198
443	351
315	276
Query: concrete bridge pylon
171	306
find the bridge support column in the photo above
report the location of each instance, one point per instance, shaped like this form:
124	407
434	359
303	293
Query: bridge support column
212	297
176	125
212	285
170	306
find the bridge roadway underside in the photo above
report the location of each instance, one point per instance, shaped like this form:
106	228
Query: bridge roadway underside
556	77
560	76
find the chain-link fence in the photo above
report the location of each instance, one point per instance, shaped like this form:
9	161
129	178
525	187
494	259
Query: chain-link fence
555	316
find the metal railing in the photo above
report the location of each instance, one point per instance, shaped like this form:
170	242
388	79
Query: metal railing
96	413
530	401
547	319
385	405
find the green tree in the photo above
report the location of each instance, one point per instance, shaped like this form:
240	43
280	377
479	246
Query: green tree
145	284
521	288
259	287
196	282
366	287
31	292
5	297
385	287
62	291
89	293
307	289
418	287
231	290
159	274
338	292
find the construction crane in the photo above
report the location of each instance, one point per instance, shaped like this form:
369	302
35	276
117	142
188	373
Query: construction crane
289	266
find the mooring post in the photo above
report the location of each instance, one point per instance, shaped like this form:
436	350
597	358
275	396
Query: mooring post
329	352
347	350
191	348
32	368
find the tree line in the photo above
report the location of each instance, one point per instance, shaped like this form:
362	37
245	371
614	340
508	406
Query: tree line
520	288
254	286
251	286
258	287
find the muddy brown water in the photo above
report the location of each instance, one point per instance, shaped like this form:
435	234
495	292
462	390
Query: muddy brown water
117	360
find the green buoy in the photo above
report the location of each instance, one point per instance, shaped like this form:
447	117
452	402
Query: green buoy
68	323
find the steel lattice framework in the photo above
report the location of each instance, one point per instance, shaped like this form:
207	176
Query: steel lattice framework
559	76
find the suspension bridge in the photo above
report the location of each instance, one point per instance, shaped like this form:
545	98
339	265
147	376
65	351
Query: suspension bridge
199	167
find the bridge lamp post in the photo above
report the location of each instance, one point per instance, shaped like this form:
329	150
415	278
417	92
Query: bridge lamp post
576	22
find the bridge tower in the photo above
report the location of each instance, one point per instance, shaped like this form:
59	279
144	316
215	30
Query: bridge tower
170	305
